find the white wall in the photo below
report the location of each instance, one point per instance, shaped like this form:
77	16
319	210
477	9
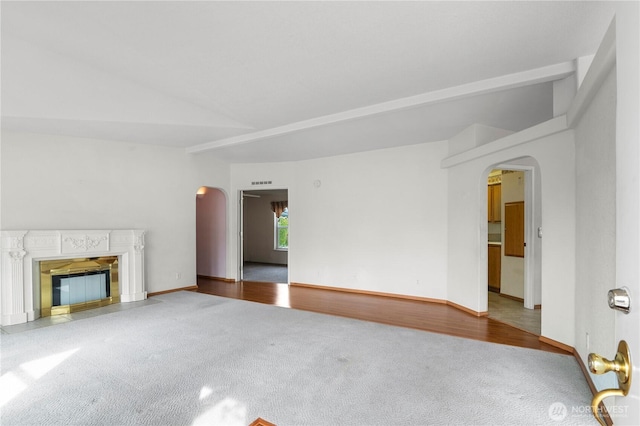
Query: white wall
595	220
211	233
377	220
55	182
553	150
259	230
512	268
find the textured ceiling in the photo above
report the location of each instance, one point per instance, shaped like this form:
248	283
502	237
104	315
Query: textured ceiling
277	81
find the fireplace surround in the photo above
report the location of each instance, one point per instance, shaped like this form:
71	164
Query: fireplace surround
22	252
72	285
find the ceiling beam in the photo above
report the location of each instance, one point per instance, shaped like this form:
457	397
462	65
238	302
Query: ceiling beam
505	82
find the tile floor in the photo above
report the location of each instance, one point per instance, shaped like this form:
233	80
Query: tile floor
514	313
59	319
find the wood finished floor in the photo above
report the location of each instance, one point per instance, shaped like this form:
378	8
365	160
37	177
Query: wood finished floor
434	317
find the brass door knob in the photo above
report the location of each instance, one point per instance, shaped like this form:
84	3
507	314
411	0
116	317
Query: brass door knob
621	365
600	365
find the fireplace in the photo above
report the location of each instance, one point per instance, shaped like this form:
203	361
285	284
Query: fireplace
24	255
72	285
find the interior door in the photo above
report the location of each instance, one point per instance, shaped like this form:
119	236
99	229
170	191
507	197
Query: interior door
241	236
628	274
628	202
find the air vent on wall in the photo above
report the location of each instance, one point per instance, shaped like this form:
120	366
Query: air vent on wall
261	182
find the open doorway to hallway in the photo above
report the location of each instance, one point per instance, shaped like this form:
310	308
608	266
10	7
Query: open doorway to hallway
507	202
211	233
264	242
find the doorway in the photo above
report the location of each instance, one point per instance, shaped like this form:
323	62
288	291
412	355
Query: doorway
264	236
211	233
512	264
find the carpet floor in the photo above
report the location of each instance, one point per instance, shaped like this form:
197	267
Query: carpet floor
196	359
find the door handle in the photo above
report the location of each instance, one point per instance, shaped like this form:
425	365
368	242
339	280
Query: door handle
621	365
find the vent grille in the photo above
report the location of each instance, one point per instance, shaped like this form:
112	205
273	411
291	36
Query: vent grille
261	182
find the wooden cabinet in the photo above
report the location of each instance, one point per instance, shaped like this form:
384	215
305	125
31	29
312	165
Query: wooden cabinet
494	203
494	267
514	229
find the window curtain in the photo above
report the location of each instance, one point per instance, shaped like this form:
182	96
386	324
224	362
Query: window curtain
278	207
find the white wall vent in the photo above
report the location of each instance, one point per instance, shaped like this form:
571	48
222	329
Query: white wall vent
261	182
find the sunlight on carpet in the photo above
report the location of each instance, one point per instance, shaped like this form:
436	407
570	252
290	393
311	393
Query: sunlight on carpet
15	382
229	412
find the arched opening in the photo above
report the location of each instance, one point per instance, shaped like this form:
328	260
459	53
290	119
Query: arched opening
514	217
211	233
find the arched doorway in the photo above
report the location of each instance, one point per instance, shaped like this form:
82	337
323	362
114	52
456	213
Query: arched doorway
211	233
514	250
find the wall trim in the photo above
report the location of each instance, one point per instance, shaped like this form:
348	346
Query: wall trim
548	128
467	310
508	296
557	344
393	295
226	280
173	290
369	292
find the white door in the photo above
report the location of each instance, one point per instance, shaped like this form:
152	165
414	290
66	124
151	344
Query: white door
241	236
627	409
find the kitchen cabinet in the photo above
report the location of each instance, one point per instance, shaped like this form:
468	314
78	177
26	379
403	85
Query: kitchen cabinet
494	267
494	203
514	229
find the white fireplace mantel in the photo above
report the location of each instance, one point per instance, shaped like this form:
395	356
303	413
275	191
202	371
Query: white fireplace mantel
22	250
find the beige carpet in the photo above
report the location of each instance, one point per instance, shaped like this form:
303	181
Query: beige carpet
193	358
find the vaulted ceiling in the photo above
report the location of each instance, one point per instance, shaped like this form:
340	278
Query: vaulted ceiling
278	81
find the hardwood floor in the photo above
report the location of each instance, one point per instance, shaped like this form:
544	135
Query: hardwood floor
434	317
